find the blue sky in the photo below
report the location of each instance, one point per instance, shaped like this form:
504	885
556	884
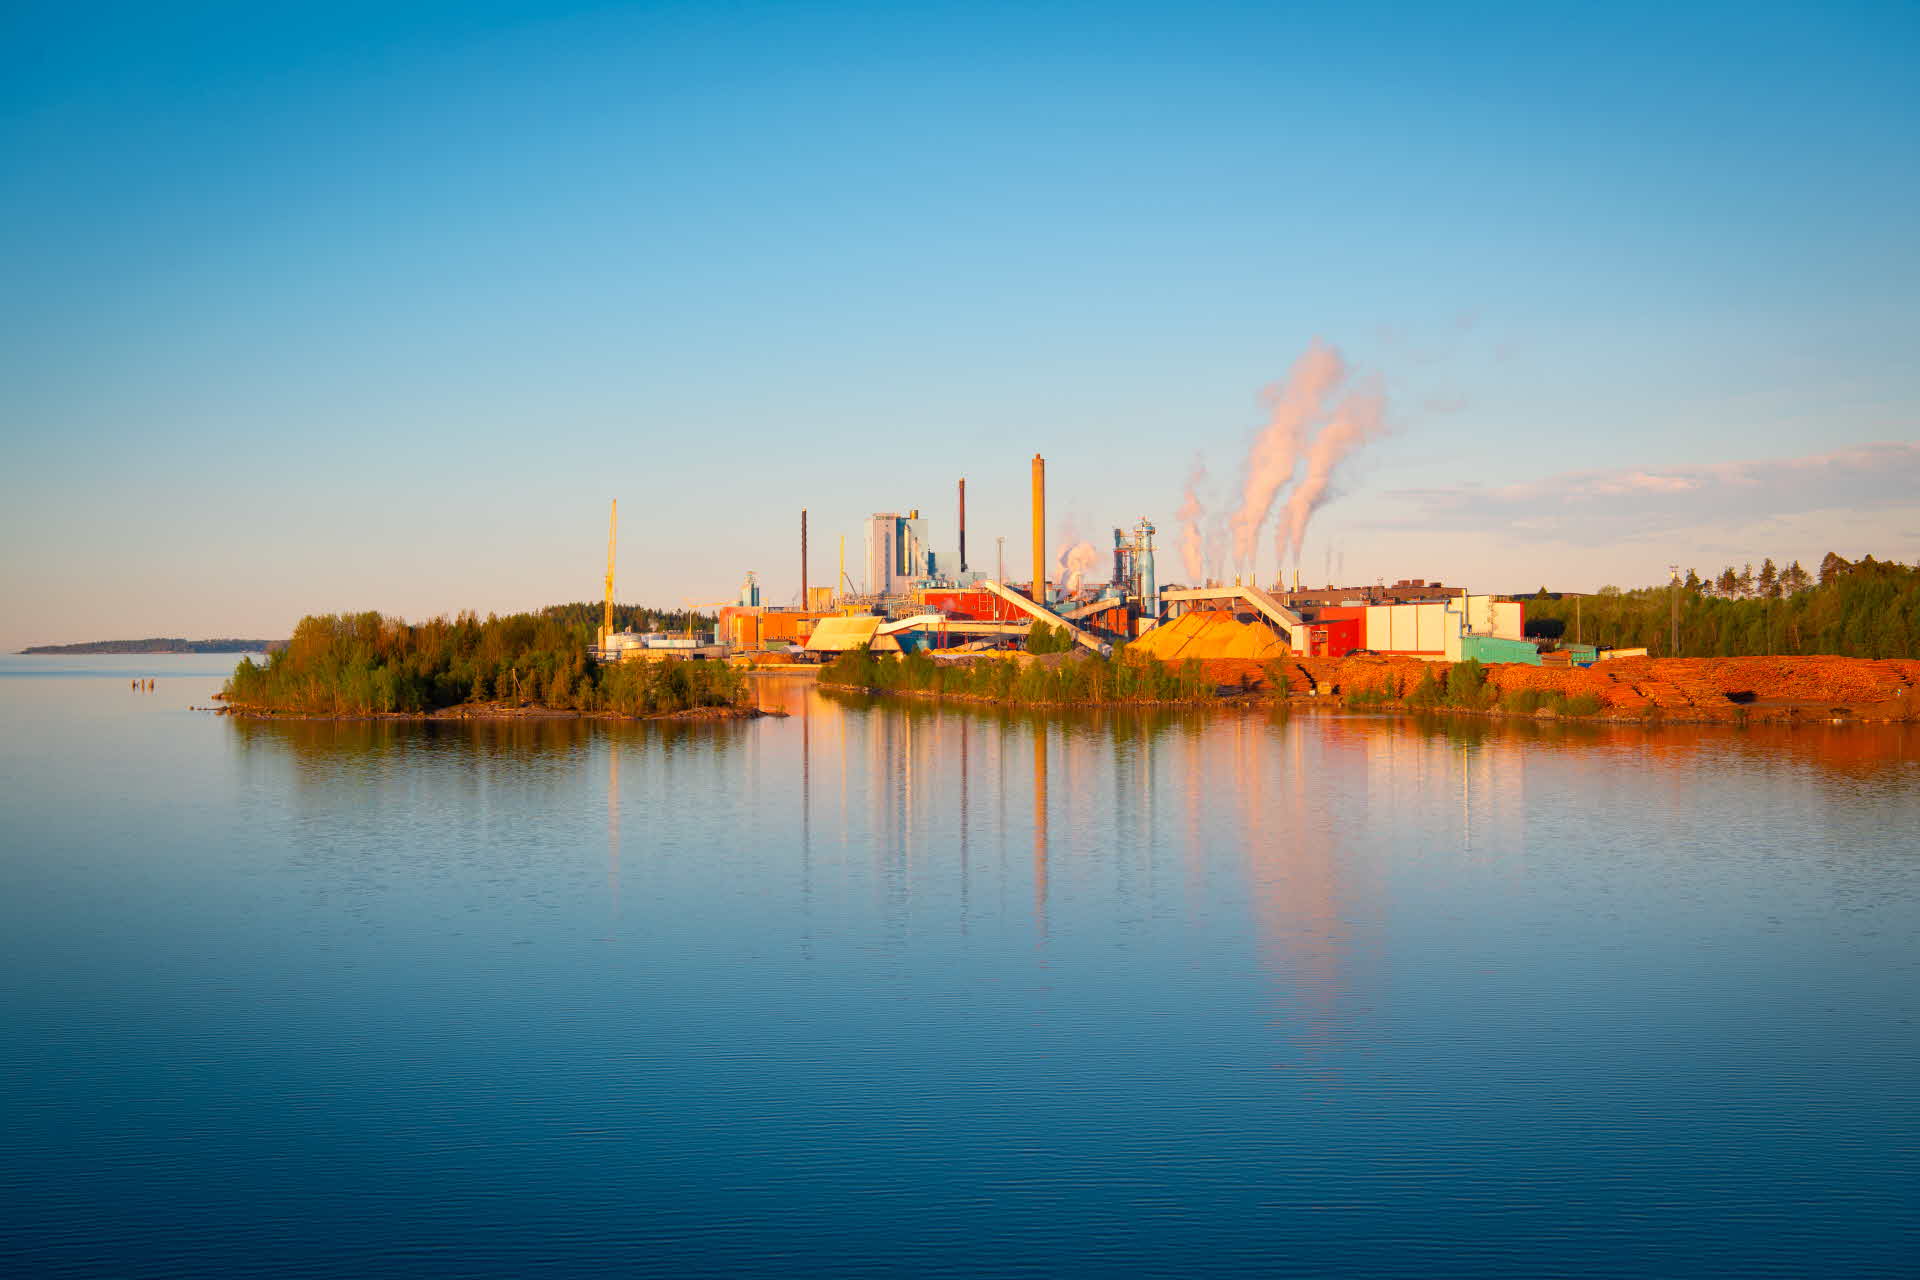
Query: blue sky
375	306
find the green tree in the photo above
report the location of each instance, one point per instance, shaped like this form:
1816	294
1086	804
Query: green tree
1045	638
361	663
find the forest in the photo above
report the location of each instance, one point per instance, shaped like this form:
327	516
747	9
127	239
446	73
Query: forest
367	663
1858	609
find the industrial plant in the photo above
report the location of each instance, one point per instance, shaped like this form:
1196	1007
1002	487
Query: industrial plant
914	598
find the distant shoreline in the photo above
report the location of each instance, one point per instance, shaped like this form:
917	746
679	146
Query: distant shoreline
156	645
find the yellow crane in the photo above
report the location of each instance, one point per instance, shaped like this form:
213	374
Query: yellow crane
606	617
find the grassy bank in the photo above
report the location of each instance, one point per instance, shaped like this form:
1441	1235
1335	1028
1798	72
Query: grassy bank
1465	686
1080	679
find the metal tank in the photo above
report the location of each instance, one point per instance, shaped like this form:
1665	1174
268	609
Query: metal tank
1143	566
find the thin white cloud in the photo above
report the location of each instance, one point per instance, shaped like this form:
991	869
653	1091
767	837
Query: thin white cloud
1580	505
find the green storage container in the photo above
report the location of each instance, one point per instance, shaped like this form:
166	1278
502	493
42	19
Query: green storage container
1494	649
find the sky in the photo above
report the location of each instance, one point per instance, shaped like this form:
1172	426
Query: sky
376	306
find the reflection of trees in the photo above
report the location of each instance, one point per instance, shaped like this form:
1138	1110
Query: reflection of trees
469	774
342	747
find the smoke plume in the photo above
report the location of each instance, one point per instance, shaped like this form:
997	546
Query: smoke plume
1189	516
1275	453
1216	546
1073	560
1356	421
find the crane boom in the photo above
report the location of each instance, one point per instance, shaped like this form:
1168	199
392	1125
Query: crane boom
606	616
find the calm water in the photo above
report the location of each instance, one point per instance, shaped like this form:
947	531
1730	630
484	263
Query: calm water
894	989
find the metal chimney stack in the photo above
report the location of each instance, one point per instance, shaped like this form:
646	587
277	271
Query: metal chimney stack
1039	591
963	524
804	602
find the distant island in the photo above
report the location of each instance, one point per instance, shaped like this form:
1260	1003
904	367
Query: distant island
160	644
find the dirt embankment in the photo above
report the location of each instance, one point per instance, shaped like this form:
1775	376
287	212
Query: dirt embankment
1724	689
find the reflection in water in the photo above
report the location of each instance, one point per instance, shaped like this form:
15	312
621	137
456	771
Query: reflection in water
1234	987
1303	802
613	828
1297	808
966	813
1040	827
806	820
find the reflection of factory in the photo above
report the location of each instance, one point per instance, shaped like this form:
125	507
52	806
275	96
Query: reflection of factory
914	598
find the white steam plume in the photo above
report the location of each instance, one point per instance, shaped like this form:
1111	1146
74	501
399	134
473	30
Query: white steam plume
1073	560
1189	516
1275	452
1356	421
1216	546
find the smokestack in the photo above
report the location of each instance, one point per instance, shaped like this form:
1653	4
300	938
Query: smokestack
803	558
963	524
1039	591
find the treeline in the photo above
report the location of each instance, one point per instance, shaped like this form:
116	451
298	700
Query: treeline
1045	638
1864	609
356	664
160	644
1083	679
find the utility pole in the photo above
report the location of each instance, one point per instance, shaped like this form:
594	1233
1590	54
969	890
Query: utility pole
1674	651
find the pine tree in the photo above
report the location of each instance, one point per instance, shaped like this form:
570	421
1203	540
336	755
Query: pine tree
1831	567
1795	579
1769	581
1744	584
1727	584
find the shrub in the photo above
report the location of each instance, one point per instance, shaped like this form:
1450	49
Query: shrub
1430	692
1044	637
1467	685
1279	681
1525	701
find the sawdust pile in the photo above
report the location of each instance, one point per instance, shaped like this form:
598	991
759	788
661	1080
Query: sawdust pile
1210	635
